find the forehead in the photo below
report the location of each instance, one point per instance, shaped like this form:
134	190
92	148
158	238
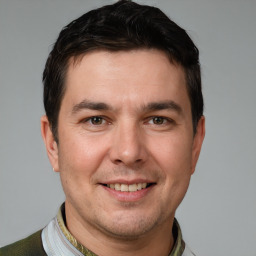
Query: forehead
137	76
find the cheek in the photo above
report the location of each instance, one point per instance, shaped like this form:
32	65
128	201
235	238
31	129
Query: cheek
173	154
176	163
81	150
79	159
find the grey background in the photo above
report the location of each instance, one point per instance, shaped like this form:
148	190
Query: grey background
218	215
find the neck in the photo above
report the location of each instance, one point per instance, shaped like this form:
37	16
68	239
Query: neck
158	241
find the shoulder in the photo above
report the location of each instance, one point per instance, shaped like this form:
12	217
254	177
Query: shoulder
30	246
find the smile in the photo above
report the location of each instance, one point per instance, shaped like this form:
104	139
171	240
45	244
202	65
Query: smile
128	188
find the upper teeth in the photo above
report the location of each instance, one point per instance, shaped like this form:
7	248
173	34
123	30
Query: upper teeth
126	187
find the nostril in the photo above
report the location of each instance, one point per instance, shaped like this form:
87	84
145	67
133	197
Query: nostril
119	161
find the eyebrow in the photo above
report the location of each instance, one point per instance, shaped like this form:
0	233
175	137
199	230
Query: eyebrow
152	106
163	105
85	104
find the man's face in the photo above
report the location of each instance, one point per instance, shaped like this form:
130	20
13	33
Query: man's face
125	123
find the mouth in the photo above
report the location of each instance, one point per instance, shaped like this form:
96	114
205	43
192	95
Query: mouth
128	187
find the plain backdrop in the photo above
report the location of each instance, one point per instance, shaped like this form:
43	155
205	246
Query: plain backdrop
218	214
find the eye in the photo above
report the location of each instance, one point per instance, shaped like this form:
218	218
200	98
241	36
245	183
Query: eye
158	120
96	120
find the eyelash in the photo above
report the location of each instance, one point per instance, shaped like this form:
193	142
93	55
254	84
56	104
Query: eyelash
165	120
90	120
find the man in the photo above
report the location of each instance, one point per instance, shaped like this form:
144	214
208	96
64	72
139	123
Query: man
124	127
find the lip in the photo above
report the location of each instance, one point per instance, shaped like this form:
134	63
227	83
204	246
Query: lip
128	196
128	182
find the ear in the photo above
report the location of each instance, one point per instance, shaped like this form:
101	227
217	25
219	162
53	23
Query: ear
50	143
197	142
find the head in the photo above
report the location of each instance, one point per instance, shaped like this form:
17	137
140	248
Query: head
122	26
123	101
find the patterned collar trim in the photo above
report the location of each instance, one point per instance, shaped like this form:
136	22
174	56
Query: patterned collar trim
61	218
177	250
179	245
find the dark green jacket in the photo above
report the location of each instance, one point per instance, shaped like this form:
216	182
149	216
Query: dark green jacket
30	246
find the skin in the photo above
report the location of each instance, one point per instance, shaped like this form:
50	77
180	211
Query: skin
142	133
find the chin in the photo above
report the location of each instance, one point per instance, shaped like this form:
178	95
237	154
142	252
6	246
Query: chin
129	227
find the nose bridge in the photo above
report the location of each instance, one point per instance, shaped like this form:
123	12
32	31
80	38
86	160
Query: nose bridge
127	145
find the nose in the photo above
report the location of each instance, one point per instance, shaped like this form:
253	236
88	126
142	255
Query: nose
128	145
